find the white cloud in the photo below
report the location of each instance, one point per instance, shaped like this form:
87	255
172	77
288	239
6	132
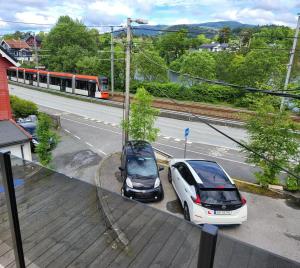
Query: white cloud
112	8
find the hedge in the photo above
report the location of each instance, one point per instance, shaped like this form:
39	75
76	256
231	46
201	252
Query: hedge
22	108
199	93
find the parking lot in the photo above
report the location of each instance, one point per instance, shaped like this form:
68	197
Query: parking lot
273	224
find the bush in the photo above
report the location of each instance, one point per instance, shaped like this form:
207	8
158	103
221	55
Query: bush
200	93
22	108
292	184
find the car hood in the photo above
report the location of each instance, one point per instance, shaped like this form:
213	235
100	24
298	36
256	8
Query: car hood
143	182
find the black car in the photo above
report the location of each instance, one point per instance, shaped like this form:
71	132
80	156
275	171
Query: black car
140	172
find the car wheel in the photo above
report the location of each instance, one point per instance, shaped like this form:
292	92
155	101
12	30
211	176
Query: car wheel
169	176
186	212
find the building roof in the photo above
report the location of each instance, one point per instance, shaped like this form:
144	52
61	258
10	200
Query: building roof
17	44
11	134
5	54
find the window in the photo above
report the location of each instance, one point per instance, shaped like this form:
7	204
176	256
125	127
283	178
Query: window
220	197
141	166
185	173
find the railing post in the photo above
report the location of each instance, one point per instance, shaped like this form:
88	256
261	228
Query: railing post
12	211
207	247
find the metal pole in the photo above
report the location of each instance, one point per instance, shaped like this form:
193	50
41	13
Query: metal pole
290	65
12	211
112	61
207	249
36	55
127	83
184	155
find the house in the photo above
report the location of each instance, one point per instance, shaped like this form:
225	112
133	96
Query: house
31	40
18	48
12	137
214	47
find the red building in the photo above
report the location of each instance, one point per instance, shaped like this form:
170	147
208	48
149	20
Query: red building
6	60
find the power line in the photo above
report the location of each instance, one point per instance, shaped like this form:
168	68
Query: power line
51	24
216	82
229	137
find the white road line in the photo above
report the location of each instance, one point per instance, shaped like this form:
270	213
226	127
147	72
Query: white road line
87	143
177	139
102	152
189	142
77	137
93	119
98	121
106	123
85	124
222	158
113	124
67	131
167	138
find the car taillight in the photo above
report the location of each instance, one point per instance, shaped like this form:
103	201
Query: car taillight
244	201
197	200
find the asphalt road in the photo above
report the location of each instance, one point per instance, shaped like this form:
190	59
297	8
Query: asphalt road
97	127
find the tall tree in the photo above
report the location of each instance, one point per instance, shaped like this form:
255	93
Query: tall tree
270	134
142	117
224	35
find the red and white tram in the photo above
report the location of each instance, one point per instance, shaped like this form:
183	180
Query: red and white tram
88	85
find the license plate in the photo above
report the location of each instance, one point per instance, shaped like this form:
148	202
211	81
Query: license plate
222	212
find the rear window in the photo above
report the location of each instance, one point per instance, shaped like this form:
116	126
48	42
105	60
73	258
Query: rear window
215	197
210	173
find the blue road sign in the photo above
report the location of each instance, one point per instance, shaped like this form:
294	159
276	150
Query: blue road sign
186	132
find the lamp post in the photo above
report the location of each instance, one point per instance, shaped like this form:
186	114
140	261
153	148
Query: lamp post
127	81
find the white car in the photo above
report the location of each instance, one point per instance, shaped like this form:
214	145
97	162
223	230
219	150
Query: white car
206	192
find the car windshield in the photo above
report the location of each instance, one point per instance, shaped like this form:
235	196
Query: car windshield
141	166
30	130
215	197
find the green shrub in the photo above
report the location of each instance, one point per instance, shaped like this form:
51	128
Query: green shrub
292	184
22	108
200	93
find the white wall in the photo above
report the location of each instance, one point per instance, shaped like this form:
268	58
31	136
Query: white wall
16	150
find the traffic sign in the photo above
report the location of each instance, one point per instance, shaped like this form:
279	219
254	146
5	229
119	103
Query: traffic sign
186	132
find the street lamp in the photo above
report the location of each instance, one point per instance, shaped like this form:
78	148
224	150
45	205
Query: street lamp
127	81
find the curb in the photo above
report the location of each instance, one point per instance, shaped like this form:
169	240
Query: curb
163	112
104	207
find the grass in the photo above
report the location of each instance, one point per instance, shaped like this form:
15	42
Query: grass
256	189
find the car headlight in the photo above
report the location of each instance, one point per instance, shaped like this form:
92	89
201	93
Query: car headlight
129	183
157	183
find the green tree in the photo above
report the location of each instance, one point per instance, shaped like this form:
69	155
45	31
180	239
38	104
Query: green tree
151	71
47	139
224	35
202	39
142	117
67	42
171	46
200	64
270	135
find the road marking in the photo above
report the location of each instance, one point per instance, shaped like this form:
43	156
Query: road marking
102	152
85	124
113	124
98	121
86	118
88	144
77	137
222	158
177	139
189	142
93	119
167	138
106	123
67	131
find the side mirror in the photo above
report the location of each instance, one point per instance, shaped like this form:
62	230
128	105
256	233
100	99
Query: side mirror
161	168
121	169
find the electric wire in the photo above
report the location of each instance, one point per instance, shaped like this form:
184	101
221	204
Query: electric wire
223	133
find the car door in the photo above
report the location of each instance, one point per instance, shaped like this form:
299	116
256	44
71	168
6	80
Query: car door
175	176
184	175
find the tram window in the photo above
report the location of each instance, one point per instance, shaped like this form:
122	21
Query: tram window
55	81
43	78
20	75
68	82
81	84
104	83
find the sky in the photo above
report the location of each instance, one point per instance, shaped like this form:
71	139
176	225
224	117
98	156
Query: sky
115	12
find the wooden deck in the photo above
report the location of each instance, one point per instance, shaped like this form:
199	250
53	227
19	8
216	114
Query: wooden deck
62	226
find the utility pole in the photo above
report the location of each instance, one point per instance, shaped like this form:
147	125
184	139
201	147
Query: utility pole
290	65
35	51
112	61
127	74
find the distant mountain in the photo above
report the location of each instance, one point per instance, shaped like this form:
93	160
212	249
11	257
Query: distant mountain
208	28
220	24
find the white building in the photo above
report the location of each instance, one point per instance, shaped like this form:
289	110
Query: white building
214	47
15	139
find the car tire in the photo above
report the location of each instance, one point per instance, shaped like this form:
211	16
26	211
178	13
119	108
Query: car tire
169	176
186	212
